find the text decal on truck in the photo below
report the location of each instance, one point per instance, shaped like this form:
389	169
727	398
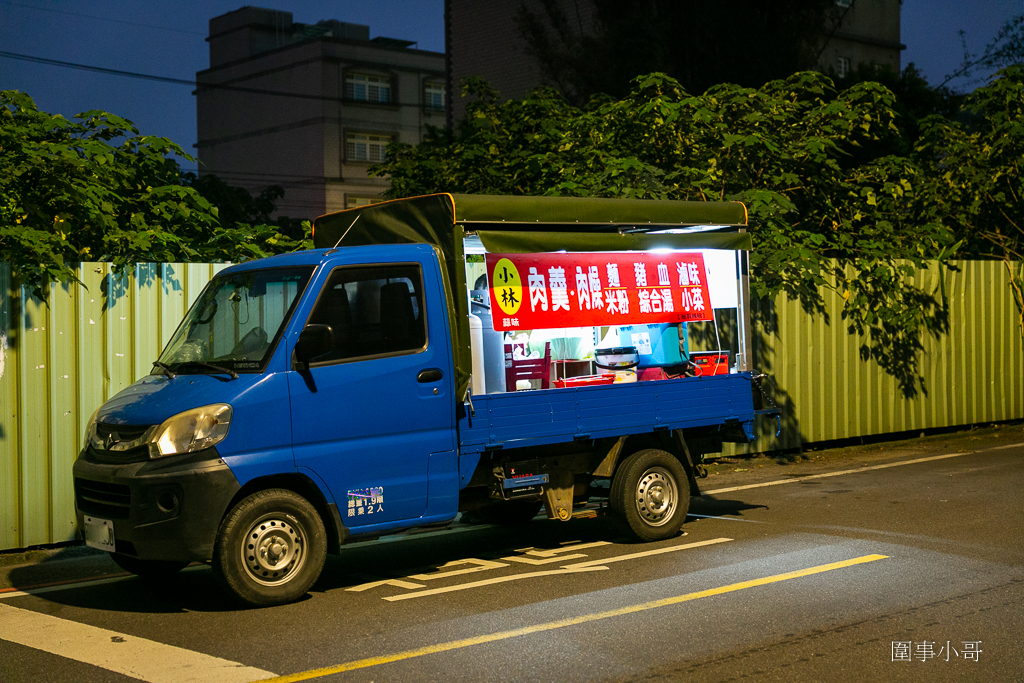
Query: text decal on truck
582	289
365	501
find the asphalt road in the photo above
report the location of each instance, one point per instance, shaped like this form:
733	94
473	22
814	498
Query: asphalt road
882	565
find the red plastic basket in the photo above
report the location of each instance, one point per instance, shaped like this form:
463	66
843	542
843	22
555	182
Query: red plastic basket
587	381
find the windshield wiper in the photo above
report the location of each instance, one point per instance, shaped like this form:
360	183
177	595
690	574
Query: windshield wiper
166	368
210	366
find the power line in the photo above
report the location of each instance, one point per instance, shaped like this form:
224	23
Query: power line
196	84
95	69
92	16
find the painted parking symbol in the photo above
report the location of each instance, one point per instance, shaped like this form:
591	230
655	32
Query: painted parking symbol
529	556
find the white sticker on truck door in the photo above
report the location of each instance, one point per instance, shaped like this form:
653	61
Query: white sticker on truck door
365	501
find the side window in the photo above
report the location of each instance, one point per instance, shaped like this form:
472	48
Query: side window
373	310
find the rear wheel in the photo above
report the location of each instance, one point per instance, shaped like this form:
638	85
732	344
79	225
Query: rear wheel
651	494
270	548
148	569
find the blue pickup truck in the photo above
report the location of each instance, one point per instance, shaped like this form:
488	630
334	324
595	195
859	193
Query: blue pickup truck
320	397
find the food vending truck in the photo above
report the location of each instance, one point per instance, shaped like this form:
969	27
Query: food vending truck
431	356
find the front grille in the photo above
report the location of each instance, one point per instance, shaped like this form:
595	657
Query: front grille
120	443
101	499
120	433
139	454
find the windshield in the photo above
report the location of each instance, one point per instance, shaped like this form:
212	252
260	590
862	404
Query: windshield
235	321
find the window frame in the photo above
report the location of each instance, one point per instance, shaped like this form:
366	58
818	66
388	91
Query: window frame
387	354
349	159
349	87
844	66
370	201
444	95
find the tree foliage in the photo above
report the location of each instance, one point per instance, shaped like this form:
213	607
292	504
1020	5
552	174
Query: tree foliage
601	49
236	205
915	100
823	216
91	188
973	171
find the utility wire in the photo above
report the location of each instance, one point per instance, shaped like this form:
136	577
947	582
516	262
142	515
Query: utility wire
95	69
92	16
197	84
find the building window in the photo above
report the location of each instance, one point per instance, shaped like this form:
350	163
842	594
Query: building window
365	147
843	67
433	95
355	202
364	88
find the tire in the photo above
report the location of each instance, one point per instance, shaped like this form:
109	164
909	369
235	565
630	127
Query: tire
650	494
148	569
511	512
270	548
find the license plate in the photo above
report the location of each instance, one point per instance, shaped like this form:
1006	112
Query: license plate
99	533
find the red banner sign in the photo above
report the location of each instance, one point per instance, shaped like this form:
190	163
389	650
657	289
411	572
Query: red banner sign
543	291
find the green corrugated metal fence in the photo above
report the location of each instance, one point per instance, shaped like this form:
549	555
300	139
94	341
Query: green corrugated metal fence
973	373
61	361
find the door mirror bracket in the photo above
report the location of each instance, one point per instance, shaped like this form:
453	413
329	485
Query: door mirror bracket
315	341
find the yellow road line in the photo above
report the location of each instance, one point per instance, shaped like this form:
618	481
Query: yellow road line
550	626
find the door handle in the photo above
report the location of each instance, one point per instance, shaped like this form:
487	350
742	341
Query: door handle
429	375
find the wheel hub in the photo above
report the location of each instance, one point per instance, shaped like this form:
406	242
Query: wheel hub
273	551
656	496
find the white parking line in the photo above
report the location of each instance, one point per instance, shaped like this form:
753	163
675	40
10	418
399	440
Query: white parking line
647	553
794	480
136	657
592	565
731	519
488	582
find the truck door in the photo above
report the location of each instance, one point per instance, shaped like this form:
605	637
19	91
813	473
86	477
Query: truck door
367	417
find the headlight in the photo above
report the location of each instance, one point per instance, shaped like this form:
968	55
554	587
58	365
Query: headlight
90	433
192	430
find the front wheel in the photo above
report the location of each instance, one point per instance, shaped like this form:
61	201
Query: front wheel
651	494
270	548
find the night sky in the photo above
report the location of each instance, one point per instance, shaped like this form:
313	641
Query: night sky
167	39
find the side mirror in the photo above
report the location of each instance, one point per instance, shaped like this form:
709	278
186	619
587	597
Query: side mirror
315	341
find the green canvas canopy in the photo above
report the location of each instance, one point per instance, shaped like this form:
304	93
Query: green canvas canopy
529	224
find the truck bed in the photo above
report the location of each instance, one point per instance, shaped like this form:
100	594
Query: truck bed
549	416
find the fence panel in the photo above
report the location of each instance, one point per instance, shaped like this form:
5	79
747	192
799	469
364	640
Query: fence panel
973	373
59	361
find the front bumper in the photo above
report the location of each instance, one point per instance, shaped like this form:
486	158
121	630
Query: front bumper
166	509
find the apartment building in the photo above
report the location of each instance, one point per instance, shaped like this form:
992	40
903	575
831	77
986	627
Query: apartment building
310	107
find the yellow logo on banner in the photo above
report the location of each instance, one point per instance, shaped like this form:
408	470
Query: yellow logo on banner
508	287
